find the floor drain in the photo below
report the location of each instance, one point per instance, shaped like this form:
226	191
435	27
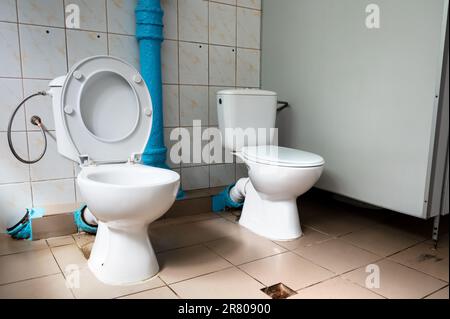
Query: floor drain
279	291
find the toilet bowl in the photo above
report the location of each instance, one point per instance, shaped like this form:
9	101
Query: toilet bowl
277	175
103	118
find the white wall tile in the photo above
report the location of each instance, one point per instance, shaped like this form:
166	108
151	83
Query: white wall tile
92	14
193	105
193	63
169	62
171	105
11	95
53	192
41	12
14	199
231	2
193	20
121	16
13	171
241	171
197	157
40	105
170	8
84	44
222	175
43	52
222	66
195	177
125	47
248	28
8	10
254	4
9	50
52	165
222	24
169	144
248	64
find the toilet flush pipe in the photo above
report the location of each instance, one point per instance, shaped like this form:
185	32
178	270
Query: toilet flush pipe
149	33
231	197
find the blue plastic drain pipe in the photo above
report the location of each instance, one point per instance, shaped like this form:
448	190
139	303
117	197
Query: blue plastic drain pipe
149	33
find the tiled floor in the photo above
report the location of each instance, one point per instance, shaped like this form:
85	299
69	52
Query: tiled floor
211	256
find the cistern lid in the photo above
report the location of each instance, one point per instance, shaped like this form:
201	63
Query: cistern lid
106	109
282	156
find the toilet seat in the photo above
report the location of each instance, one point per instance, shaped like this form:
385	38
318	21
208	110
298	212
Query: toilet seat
106	110
281	156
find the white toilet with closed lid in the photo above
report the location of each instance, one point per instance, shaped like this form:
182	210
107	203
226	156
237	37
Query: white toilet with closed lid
103	119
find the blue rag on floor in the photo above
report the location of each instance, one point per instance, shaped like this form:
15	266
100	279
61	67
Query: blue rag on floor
81	223
223	201
24	228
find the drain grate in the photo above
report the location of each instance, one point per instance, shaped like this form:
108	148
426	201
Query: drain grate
279	291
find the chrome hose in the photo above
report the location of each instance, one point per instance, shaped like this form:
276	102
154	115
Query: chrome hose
35	120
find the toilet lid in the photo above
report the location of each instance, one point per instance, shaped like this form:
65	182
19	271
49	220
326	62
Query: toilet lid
282	156
107	109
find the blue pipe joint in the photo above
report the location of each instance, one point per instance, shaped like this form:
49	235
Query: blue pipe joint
81	224
223	201
149	33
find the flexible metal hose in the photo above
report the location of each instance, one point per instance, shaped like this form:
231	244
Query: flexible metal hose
36	121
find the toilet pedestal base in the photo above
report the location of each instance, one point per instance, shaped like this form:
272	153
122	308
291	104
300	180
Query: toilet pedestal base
123	255
276	220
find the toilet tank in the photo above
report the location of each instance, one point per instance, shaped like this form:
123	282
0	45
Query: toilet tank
246	117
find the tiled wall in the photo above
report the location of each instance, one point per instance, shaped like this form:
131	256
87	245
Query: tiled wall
210	45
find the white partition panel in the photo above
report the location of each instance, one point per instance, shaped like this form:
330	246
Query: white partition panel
365	99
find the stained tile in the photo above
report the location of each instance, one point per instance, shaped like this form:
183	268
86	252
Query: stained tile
248	68
92	14
9	245
10	53
12	170
337	255
248	28
289	269
11	92
42	12
222	66
195	177
27	265
226	284
254	4
181	264
222	24
84	44
336	288
425	258
171	105
193	20
121	16
43	52
169	62
158	293
397	281
221	175
126	48
193	63
170	8
244	247
193	104
8	11
49	287
383	240
53	192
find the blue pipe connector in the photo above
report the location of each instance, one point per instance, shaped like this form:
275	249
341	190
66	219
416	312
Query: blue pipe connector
223	201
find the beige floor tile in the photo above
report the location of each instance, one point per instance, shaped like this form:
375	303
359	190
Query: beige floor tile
91	288
397	281
289	269
69	256
60	241
425	258
185	263
336	288
27	265
244	247
184	235
158	293
232	216
82	239
226	284
310	237
183	219
337	255
49	287
12	246
383	240
441	294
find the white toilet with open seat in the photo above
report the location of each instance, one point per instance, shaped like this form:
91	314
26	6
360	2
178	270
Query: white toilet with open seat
103	119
